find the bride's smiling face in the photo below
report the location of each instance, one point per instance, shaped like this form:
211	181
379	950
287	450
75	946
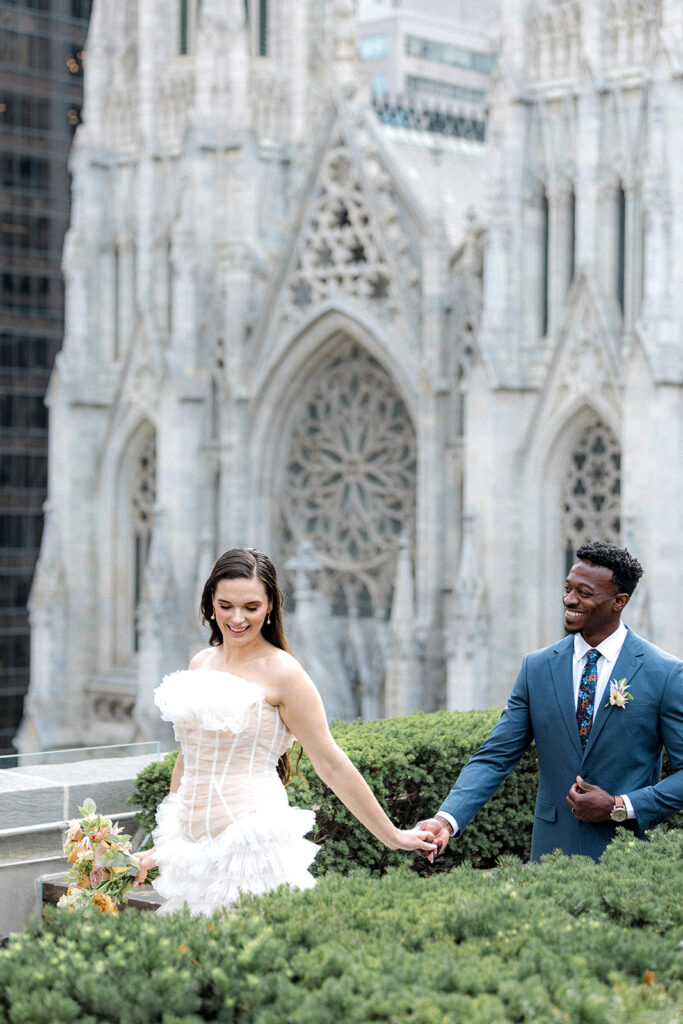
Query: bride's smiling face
240	606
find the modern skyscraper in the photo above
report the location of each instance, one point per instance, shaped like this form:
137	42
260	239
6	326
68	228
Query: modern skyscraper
41	43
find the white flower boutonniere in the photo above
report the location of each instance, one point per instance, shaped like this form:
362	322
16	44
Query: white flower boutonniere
617	693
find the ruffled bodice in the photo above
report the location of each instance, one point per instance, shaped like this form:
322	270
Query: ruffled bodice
231	739
229	828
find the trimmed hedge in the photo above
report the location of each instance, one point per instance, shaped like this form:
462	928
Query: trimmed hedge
563	942
410	763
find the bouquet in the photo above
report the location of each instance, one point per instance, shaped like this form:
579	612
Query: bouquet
103	865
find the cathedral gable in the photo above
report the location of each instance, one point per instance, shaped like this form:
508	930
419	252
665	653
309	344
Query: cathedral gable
350	245
586	368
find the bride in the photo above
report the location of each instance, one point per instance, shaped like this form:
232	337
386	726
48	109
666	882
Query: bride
226	826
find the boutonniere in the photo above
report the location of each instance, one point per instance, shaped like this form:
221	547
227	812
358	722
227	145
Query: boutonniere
617	693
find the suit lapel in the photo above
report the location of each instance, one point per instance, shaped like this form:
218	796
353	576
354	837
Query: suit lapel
626	667
561	671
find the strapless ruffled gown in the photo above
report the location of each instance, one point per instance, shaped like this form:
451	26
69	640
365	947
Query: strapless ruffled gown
229	829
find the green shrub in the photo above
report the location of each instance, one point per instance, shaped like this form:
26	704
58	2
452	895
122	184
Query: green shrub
410	764
553	942
150	788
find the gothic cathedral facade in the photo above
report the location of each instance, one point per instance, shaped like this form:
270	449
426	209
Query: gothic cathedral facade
416	368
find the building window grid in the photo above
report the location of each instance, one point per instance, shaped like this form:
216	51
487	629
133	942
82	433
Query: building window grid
448	53
41	111
419	83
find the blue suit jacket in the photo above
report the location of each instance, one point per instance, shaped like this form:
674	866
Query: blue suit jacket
623	753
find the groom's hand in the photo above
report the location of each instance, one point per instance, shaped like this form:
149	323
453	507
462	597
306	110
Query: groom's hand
441	831
588	802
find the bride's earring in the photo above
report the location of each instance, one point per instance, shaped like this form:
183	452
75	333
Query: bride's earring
268	619
213	617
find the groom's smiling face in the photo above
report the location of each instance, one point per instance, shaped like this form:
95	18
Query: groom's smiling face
592	603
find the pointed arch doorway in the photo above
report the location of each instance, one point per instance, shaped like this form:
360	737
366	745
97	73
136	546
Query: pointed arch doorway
347	494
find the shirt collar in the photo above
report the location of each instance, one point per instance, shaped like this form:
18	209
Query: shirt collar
609	647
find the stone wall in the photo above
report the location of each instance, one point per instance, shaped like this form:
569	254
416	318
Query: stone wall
36	804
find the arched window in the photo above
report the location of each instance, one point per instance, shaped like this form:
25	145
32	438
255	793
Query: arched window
188	11
591	502
135	522
571	237
621	247
183	27
348	480
545	262
143	494
263	28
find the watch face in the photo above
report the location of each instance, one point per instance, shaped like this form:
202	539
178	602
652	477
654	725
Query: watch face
618	814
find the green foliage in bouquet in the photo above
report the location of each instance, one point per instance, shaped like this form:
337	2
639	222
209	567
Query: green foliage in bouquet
562	942
103	867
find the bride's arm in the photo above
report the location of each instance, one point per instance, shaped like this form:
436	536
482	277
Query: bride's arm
148	858
302	711
177	773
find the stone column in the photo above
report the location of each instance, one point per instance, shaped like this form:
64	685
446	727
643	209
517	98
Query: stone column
315	638
160	651
184	315
402	683
468	639
559	198
125	302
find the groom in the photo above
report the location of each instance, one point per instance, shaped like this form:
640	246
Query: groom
600	705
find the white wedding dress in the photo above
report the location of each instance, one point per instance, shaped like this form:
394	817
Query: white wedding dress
229	828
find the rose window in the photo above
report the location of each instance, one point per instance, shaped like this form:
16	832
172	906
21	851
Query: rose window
349	480
592	490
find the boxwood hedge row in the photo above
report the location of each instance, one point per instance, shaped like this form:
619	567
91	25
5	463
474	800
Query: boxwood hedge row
410	763
562	942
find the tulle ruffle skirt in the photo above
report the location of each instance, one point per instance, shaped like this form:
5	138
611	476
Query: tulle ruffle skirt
255	854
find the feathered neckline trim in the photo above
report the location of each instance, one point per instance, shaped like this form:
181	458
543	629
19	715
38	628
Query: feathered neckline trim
207	698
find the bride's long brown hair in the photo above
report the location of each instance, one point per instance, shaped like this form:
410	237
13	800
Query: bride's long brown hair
248	563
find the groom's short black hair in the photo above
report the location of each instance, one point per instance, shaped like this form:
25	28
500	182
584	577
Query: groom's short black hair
626	570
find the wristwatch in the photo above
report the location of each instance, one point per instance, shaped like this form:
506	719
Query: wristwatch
618	812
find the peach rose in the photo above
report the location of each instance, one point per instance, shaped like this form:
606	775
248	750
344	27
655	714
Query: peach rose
104	903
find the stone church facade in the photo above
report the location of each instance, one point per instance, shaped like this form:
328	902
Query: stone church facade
417	369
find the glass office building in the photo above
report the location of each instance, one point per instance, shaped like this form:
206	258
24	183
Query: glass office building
41	43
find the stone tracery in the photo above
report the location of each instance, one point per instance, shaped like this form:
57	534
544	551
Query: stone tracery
349	480
591	503
340	251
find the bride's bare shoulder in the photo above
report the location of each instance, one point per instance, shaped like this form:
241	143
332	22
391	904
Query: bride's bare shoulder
284	670
203	658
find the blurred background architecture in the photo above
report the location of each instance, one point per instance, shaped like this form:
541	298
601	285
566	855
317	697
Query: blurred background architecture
41	84
428	58
416	360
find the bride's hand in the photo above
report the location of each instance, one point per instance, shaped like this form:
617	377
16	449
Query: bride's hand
414	839
146	860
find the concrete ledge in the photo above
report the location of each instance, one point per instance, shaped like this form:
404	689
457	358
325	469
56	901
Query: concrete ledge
36	804
54	886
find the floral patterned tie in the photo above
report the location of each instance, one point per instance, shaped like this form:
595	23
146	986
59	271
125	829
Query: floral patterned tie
584	705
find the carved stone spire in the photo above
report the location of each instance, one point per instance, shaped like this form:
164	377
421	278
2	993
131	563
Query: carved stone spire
468	640
400	686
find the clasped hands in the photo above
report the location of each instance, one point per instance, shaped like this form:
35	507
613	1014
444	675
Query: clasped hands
586	802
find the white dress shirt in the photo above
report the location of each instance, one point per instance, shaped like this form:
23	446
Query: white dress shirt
610	649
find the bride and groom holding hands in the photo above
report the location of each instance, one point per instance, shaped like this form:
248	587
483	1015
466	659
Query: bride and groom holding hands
600	705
